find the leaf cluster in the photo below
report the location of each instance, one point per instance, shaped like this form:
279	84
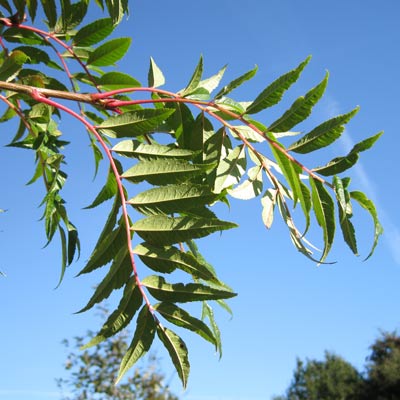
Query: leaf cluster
180	154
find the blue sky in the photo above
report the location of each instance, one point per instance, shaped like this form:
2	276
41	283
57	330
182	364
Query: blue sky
287	307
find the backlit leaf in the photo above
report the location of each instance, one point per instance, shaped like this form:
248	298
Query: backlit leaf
155	76
109	53
93	33
236	82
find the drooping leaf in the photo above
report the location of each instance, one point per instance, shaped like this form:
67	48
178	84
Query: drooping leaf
182	318
341	164
143	151
110	52
182	293
368	205
230	169
274	92
93	33
128	306
50	9
207	312
268	202
177	350
141	342
167	259
236	82
323	135
155	76
251	187
325	214
172	199
117	9
300	109
117	276
134	123
163	230
165	171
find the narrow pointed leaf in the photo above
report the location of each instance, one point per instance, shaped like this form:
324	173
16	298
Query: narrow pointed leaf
134	123
323	135
182	318
348	231
325	214
167	259
195	79
172	199
117	276
300	109
274	92
182	293
368	205
141	342
155	76
268	202
128	306
110	52
236	82
142	151
341	164
207	312
50	9
163	230
177	350
212	82
164	171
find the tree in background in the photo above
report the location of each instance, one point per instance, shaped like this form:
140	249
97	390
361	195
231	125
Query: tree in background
92	373
336	379
170	157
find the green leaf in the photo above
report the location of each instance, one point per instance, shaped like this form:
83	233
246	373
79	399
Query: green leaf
155	76
141	342
236	82
230	169
195	79
341	164
177	350
165	171
128	306
172	199
12	65
182	318
16	35
117	276
368	205
300	109
323	135
117	9
117	80
325	214
207	312
248	133
109	190
36	56
182	293
93	33
167	259
108	244
142	151
163	230
50	9
134	123
274	92
109	53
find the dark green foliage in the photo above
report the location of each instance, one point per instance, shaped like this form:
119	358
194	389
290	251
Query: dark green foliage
171	158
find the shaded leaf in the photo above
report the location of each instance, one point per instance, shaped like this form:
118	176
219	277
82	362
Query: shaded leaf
182	293
195	79
207	312
182	318
177	350
323	135
163	230
141	342
236	82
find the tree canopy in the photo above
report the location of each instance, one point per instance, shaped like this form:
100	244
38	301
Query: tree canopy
171	157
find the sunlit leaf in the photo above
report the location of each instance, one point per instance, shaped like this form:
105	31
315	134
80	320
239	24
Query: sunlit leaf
236	82
155	76
93	33
110	52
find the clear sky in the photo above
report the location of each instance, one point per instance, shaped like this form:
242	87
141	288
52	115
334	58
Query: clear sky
287	307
